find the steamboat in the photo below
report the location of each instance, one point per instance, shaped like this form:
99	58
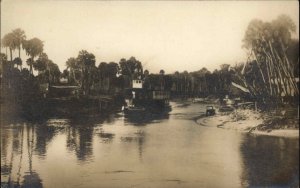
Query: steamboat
139	99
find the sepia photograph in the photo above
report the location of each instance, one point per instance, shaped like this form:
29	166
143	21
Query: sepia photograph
149	94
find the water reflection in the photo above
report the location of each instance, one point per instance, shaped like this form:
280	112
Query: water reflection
143	118
137	138
270	161
17	151
80	140
32	179
44	135
5	136
106	137
169	150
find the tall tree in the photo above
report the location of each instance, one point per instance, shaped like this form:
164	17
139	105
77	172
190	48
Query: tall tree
102	72
9	41
186	82
267	43
112	70
41	63
177	84
162	72
3	59
65	73
71	64
30	62
54	72
86	61
162	79
20	37
33	48
131	67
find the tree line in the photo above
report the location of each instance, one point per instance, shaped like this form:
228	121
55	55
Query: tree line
269	74
109	78
19	84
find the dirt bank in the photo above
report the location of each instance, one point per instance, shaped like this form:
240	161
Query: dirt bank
253	122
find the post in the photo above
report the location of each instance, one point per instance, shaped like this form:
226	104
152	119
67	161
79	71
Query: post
255	104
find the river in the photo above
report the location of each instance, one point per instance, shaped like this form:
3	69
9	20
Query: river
166	150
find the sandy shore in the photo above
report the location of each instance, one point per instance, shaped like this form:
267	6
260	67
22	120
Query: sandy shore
247	124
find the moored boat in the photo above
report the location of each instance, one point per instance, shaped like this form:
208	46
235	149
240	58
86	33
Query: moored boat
139	99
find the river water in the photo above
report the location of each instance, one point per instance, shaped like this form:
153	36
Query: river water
166	150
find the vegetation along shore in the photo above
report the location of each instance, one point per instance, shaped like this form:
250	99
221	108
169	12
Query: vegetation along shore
269	78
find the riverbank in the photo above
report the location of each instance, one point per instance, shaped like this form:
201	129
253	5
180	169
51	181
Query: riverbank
253	122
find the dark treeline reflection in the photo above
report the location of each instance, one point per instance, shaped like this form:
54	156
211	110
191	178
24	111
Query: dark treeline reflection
80	140
44	135
18	144
22	141
34	154
139	139
270	161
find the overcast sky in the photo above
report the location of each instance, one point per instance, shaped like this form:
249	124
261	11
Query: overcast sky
169	35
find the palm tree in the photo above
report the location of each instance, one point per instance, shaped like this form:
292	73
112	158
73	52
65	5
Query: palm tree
20	37
54	71
9	41
41	65
30	62
33	48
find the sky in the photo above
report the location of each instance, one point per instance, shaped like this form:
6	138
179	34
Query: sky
168	35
